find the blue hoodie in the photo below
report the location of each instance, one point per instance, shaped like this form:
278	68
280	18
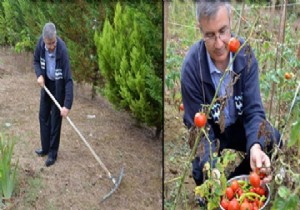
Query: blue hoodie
197	88
63	76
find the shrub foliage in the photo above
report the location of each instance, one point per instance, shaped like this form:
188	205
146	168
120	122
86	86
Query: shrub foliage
129	48
129	53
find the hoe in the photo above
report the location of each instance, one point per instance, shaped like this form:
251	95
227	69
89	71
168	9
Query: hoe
116	182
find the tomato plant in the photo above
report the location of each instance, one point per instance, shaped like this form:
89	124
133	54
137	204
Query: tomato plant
254	179
234	44
200	119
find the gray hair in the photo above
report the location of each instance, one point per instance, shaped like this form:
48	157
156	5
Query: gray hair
49	31
210	8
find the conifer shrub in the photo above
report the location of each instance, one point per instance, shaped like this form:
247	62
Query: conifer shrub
131	69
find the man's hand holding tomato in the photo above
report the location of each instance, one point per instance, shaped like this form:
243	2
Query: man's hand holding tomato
259	159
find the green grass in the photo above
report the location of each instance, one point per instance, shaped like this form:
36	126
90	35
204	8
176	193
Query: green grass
35	184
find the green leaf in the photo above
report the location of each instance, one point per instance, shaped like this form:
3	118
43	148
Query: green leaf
283	192
294	137
274	78
8	175
289	203
266	45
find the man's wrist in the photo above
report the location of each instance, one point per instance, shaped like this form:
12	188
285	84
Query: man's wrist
255	147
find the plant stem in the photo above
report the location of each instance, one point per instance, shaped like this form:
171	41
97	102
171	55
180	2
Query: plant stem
210	151
288	167
241	16
281	40
297	190
172	180
182	178
289	114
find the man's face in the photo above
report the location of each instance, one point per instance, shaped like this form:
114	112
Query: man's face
216	34
50	44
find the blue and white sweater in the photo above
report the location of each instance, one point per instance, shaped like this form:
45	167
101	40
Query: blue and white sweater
197	88
63	76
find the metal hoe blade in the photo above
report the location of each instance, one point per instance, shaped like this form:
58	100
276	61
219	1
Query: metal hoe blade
116	183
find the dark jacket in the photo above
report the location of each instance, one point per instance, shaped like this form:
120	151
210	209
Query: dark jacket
197	89
63	76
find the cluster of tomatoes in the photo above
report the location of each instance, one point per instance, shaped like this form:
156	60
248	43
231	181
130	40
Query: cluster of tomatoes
244	195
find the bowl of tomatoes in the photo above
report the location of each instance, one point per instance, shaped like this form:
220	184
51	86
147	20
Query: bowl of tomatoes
245	192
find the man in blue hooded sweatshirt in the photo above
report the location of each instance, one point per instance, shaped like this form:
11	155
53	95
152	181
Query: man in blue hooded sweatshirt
52	69
237	116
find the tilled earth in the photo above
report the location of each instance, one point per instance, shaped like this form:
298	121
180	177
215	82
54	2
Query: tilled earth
76	180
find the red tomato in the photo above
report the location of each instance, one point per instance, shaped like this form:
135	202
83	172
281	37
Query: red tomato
224	203
233	44
246	200
239	192
200	119
233	205
261	174
287	76
254	179
181	107
245	206
258	203
260	191
234	185
229	193
252	189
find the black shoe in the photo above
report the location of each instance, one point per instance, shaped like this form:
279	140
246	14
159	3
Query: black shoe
50	161
40	152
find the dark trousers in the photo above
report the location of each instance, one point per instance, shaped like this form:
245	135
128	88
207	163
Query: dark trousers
233	138
50	122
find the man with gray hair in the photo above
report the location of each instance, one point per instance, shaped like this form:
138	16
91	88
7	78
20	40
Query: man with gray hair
239	107
52	69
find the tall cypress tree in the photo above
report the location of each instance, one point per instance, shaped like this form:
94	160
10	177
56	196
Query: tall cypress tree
128	68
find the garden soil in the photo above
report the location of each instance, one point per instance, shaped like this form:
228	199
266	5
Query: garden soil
175	140
76	180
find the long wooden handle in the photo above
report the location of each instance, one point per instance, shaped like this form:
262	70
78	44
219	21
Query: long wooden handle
81	136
